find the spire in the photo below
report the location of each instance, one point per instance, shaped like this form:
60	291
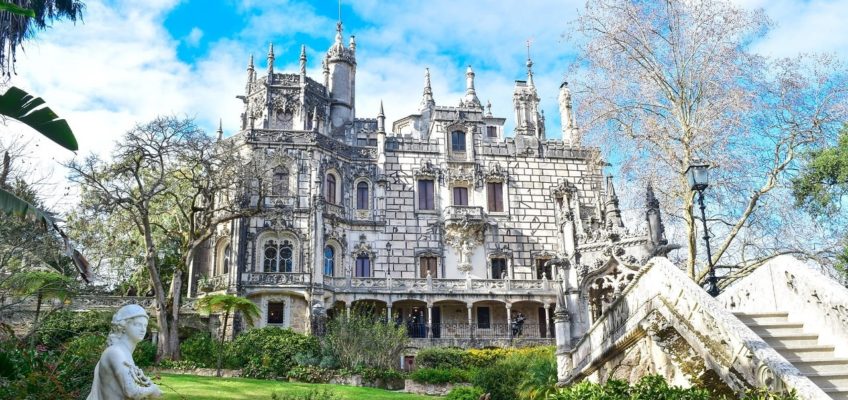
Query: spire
656	229
529	67
315	119
613	213
325	69
352	44
220	130
471	99
270	62
303	59
381	119
427	100
251	73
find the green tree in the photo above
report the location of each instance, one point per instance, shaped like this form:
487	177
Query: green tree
228	305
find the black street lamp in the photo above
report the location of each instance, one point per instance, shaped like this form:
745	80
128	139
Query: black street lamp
699	179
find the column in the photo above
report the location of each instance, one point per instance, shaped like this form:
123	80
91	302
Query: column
470	321
429	320
547	320
509	319
347	310
389	318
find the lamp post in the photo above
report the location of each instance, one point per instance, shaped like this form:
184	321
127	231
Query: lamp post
699	179
389	258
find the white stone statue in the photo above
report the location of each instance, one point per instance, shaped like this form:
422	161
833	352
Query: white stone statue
116	377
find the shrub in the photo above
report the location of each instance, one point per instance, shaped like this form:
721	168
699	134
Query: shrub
648	388
182	365
481	358
503	378
269	353
314	394
440	375
200	349
364	340
63	325
442	357
310	374
145	353
464	393
76	364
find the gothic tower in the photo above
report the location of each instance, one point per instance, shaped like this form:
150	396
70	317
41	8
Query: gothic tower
340	71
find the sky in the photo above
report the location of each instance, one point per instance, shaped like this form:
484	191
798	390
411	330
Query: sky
129	60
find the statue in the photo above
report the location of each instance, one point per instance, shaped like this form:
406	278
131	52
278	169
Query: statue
116	377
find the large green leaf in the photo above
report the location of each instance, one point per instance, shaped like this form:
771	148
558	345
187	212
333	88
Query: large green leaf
11	204
31	110
14	9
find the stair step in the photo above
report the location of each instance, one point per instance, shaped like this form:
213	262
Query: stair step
792	340
819	365
805	351
765	317
777	329
831	379
836	393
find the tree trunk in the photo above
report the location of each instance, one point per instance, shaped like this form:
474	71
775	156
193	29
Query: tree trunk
35	323
165	349
221	347
176	285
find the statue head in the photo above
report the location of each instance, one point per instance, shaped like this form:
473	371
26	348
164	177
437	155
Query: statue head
129	322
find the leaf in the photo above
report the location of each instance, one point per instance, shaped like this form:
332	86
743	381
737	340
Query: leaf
14	9
31	110
11	204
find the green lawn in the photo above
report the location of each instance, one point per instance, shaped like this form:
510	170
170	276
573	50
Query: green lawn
190	387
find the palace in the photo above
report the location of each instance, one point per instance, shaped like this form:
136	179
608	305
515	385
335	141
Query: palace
441	221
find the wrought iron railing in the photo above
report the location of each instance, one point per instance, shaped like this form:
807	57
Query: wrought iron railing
479	330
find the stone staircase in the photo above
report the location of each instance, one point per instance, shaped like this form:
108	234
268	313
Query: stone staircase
814	360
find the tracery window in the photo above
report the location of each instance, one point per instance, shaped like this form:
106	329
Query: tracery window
329	261
278	256
225	265
362	196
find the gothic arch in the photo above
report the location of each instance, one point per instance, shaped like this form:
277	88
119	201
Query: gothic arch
278	251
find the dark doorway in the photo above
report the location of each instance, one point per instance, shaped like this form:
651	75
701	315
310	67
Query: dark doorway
437	322
543	323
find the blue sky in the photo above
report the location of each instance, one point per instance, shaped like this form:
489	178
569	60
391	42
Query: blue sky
132	60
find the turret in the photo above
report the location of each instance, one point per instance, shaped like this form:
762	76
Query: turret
220	130
341	77
470	99
613	214
381	119
303	61
271	63
656	230
528	120
251	74
427	100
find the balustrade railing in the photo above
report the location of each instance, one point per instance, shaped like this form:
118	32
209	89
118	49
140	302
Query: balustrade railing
462	212
475	330
275	278
440	285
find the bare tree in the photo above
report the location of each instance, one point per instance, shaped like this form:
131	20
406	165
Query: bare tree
675	81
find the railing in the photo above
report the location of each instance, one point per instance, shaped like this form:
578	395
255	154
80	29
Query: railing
463	212
372	285
335	209
462	330
281	201
275	278
215	283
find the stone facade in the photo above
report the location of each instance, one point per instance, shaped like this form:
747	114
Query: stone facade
442	221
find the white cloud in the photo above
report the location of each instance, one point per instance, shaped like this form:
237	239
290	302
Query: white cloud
193	37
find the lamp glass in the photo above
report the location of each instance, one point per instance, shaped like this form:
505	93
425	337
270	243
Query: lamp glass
698	176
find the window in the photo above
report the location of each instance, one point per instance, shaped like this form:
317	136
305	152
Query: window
543	269
495	194
275	312
331	189
429	265
227	258
329	261
484	320
499	270
363	266
460	196
279	182
492	131
426	195
362	196
458	141
278	257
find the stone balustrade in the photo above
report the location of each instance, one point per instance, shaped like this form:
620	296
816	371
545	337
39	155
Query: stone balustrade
275	279
444	286
471	213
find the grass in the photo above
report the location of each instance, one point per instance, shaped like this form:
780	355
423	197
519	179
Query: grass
190	387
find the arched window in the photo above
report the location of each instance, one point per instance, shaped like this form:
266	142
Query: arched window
362	196
331	189
458	141
227	258
329	261
363	266
278	256
279	183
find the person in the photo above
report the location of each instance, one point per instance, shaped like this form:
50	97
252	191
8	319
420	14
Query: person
518	324
116	377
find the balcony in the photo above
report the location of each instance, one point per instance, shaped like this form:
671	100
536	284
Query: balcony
275	279
464	213
439	286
